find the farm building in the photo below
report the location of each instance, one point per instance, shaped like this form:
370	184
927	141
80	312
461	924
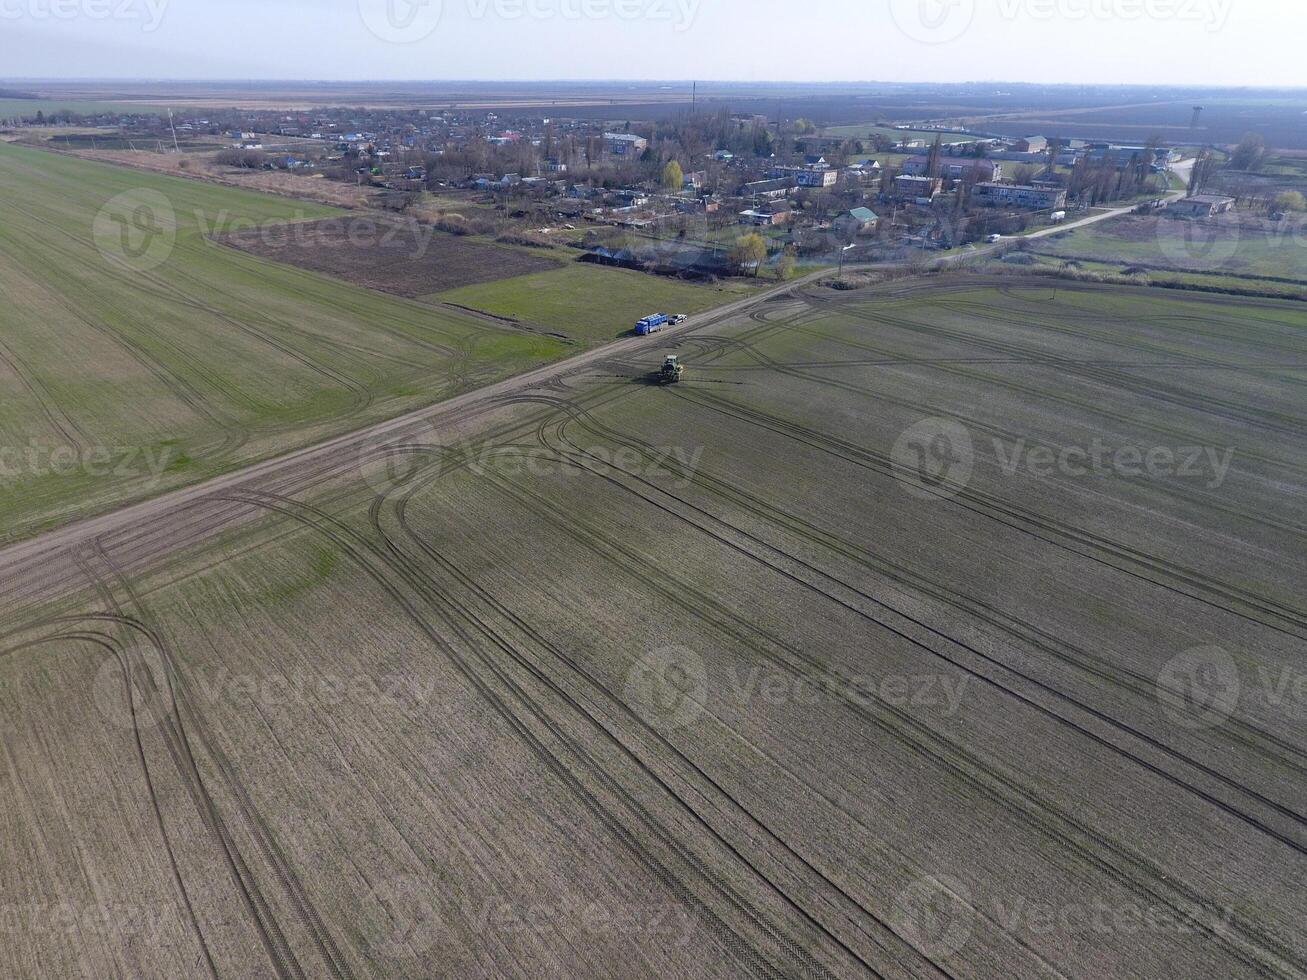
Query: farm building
1201	206
1031	144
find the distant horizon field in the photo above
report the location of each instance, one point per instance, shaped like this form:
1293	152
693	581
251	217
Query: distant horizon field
22	108
861	130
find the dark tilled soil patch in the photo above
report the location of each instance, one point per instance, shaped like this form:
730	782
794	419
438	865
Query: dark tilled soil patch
393	255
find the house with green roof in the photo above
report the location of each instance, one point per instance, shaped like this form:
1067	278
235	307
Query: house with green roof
859	221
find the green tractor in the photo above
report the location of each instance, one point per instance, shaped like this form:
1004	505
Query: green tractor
672	370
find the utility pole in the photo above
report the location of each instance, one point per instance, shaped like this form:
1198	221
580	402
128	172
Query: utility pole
842	251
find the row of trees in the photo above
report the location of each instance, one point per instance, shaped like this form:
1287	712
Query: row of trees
750	252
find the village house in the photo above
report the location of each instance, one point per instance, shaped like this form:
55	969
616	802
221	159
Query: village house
766	215
858	221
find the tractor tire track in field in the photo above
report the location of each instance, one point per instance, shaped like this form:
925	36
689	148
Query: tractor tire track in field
634	725
1168	394
1098	408
1124	558
234	434
69	632
389	571
180	748
1174	490
1264	743
1195	585
691	772
252	821
156	285
59	420
1263	941
178	741
1248	942
746	343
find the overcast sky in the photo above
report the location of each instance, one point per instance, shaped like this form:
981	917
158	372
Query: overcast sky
1219	42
